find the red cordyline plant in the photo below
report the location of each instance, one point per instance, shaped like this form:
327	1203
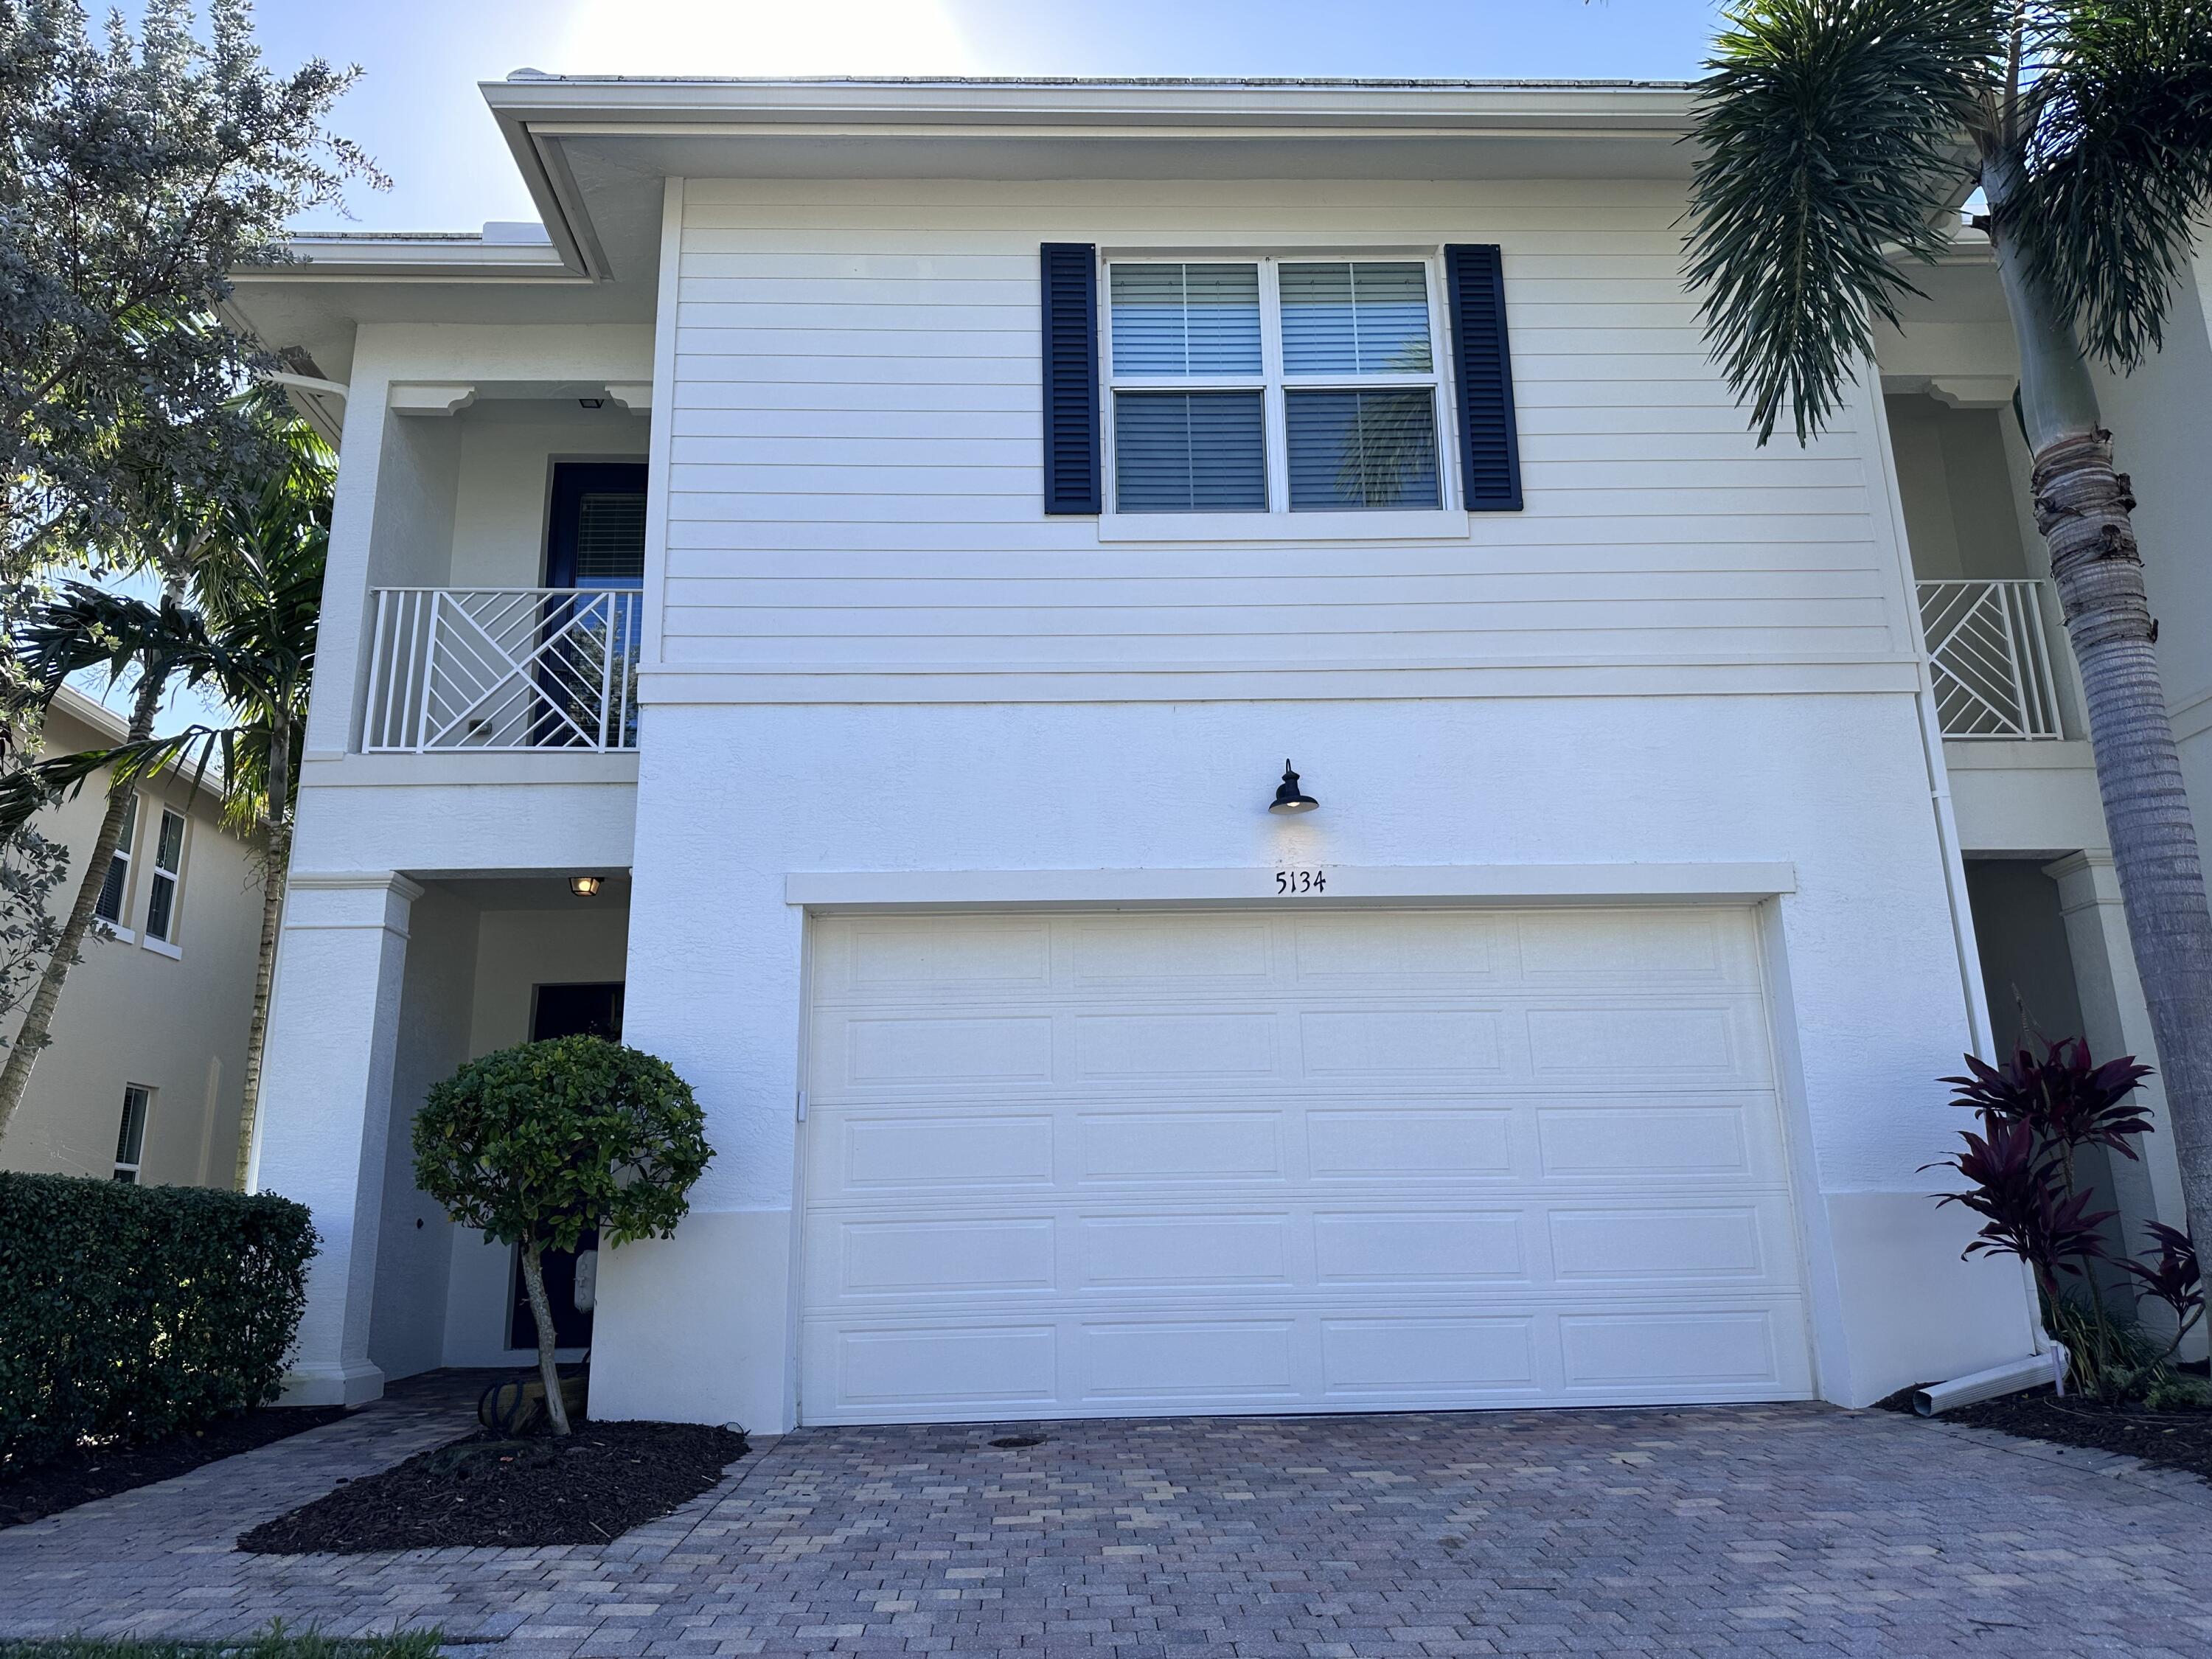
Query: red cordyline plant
2038	1112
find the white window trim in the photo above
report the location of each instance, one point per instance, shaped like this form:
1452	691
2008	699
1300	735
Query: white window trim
1448	520
167	947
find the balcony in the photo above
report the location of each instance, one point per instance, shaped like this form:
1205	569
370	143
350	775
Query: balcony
501	669
1989	651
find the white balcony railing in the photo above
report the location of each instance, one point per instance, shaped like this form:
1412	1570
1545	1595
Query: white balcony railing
501	668
1990	657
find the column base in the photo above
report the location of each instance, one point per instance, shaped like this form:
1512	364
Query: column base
354	1385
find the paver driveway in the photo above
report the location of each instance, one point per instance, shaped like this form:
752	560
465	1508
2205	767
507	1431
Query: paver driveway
1784	1529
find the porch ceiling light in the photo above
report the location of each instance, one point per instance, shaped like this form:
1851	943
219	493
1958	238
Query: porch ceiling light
1288	798
586	886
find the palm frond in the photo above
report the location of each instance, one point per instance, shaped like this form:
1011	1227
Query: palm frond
2118	163
29	790
1830	135
80	626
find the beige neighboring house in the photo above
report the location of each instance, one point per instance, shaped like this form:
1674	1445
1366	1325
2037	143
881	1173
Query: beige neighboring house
141	1080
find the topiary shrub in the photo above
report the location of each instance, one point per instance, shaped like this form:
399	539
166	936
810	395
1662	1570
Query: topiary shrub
535	1143
130	1312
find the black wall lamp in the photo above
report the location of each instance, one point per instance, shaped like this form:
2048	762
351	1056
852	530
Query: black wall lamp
1288	798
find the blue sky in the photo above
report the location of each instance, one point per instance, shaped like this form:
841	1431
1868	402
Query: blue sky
417	109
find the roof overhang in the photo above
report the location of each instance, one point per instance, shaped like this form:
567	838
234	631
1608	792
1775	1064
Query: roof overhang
582	143
594	152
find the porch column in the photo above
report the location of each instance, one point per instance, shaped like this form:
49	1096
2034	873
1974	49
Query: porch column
326	1108
2118	1022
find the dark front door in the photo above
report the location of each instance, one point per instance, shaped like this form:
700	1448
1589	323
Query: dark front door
589	633
559	1011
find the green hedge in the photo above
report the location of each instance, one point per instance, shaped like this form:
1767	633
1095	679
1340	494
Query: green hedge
132	1312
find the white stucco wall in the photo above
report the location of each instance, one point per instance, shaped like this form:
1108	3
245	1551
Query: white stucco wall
1832	785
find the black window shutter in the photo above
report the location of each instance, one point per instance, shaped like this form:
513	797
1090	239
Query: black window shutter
1073	470
1488	448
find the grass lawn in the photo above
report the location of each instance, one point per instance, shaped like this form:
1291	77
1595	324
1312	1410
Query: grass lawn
274	1645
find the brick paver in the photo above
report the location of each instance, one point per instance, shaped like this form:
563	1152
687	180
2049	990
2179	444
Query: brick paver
1791	1530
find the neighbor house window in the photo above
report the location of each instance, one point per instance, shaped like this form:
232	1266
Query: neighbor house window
131	1140
1300	385
169	870
115	889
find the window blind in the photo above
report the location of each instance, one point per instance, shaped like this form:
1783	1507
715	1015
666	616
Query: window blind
1359	316
1361	450
610	538
1186	319
1189	452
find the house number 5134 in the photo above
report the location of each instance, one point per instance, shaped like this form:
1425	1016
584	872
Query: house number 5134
1298	882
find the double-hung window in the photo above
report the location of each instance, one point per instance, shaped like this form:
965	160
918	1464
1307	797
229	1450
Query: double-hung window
1276	385
115	886
130	1139
168	870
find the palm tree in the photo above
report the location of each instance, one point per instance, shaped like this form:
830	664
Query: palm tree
244	628
1836	135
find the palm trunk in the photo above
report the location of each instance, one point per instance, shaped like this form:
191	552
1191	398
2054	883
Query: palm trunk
2081	507
275	880
38	1017
541	1314
279	855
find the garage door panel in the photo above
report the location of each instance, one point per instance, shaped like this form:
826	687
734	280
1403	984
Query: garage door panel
996	1368
971	1257
1214	954
864	1155
1439	1044
908	1051
948	962
1603	948
1436	1143
1114	1047
1622	1244
1248	1360
1420	1247
1728	1350
1622	1043
1189	1146
1120	1252
1385	950
1272	1161
1421	1356
1645	1142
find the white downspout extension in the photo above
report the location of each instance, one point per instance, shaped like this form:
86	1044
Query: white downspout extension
1971	988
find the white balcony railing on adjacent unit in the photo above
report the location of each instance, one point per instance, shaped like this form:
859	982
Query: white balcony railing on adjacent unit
1990	657
503	668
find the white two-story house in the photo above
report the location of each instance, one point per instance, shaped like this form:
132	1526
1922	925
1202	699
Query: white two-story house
890	537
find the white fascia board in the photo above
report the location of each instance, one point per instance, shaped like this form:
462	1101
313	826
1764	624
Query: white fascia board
412	258
626	103
538	115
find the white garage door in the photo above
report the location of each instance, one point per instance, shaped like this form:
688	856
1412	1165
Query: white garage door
1063	1165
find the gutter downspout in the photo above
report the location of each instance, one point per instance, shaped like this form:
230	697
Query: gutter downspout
1971	990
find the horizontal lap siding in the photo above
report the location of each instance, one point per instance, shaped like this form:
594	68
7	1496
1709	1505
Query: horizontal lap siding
855	462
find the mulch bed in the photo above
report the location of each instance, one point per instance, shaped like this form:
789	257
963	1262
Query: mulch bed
89	1472
490	1490
2171	1440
